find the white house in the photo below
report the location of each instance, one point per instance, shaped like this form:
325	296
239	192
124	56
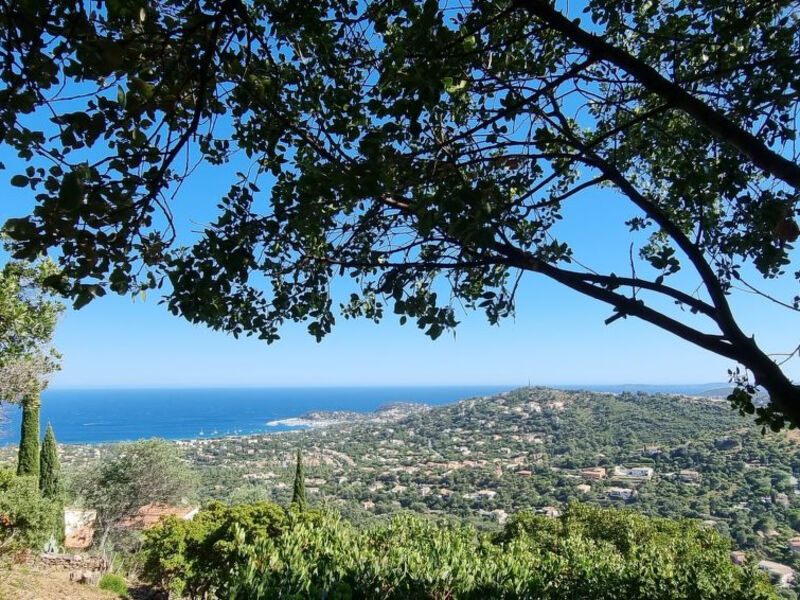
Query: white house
620	493
79	528
549	511
689	475
634	472
794	545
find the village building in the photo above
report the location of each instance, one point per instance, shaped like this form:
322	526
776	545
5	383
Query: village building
781	575
549	511
619	493
794	545
633	472
689	476
738	557
500	515
481	494
583	488
594	473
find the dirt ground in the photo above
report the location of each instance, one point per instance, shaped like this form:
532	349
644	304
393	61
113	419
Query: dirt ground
22	582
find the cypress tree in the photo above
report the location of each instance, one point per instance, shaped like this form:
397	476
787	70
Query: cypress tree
299	492
49	480
28	461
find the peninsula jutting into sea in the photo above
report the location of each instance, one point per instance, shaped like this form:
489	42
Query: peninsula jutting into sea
109	415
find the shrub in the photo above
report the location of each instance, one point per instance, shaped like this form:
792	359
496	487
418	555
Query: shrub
587	553
114	583
27	520
260	552
194	557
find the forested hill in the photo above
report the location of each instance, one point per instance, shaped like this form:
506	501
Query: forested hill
484	458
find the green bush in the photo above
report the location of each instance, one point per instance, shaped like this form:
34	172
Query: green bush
587	553
252	553
27	520
114	583
195	557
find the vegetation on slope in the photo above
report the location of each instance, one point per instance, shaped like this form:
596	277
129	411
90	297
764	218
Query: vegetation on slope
586	553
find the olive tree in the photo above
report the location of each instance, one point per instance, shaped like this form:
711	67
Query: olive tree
129	476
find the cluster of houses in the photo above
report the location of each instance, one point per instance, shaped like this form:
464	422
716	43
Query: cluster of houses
633	475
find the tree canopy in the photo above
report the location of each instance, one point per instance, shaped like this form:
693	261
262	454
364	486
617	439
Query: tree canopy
413	146
299	486
50	467
135	474
27	322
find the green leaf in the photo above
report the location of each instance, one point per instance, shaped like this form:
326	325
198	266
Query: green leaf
19	181
70	194
82	299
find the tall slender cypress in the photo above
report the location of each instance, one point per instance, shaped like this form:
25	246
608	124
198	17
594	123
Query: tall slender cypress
299	492
49	467
28	461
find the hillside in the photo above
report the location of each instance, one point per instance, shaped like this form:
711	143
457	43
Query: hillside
482	459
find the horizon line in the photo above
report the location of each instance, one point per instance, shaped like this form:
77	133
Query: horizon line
189	386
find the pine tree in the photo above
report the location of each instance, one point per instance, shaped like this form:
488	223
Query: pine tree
299	493
28	462
49	476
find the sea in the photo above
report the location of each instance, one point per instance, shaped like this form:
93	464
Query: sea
91	416
112	415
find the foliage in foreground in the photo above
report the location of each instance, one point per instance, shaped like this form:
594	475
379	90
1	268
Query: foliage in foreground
586	553
413	146
27	519
193	557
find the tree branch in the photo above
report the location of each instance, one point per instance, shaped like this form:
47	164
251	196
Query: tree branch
718	124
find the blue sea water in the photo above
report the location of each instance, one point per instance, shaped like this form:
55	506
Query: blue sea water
95	415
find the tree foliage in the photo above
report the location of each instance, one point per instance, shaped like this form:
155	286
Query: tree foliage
27	519
587	553
28	318
28	457
299	486
194	558
50	468
412	145
135	474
